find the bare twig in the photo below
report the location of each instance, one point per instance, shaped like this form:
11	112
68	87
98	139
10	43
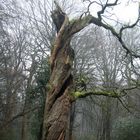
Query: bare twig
106	6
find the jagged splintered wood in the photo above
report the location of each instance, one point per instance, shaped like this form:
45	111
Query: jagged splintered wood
58	17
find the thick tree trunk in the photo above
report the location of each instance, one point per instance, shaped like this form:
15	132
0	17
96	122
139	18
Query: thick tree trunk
58	102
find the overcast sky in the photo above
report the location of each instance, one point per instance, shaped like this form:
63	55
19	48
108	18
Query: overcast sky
127	12
123	12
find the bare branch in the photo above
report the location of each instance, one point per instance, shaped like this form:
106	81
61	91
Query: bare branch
106	6
122	103
78	24
98	22
130	26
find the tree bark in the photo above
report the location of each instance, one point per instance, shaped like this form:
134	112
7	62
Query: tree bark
58	100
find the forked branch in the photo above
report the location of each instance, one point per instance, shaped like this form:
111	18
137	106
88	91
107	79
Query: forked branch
118	34
106	6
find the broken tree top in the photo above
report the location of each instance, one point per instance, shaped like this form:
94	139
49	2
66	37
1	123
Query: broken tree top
58	16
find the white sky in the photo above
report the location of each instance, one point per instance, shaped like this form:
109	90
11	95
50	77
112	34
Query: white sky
123	12
127	12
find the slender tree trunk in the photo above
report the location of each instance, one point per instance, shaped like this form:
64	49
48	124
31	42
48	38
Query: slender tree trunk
25	118
106	124
71	122
24	131
25	121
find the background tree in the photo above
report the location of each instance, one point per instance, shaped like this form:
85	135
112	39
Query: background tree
30	45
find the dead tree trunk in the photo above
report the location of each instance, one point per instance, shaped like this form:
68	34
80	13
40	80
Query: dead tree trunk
59	97
58	100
